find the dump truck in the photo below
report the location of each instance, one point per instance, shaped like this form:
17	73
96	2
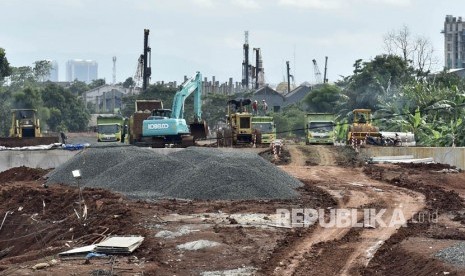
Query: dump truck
110	128
25	130
266	127
319	128
143	110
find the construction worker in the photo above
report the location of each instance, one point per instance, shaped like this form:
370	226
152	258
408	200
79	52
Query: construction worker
255	108
265	107
63	137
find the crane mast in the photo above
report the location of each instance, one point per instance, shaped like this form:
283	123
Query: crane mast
317	72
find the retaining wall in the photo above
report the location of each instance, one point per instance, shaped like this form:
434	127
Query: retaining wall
44	159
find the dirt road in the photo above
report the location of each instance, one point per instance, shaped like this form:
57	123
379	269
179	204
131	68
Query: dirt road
320	251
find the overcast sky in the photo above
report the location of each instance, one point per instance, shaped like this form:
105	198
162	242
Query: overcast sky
208	35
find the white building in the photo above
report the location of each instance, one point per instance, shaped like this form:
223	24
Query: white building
454	42
81	70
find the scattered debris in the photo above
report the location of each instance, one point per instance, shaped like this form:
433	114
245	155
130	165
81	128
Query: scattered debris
243	271
119	244
399	159
197	245
78	252
165	234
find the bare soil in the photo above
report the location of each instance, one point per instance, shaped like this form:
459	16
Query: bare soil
39	222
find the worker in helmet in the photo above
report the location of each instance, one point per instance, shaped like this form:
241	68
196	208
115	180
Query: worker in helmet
255	107
264	107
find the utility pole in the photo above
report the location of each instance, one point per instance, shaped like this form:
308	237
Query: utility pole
114	70
146	57
325	80
289	76
317	72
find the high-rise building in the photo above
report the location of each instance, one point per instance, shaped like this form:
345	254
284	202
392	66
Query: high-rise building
81	70
454	42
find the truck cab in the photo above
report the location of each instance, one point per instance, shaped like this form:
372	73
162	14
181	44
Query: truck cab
266	127
320	128
110	128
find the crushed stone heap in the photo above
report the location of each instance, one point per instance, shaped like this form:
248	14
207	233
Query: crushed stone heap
192	173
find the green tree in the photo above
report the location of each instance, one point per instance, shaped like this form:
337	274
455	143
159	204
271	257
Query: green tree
22	76
5	69
325	98
129	82
96	83
28	98
377	79
42	70
66	110
5	115
78	87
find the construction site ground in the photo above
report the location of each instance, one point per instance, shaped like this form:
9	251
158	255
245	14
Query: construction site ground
39	222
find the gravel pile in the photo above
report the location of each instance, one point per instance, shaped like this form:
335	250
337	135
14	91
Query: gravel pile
454	254
193	173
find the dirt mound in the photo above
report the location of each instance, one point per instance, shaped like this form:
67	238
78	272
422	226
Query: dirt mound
22	174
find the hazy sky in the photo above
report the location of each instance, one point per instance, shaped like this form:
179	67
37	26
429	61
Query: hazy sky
207	35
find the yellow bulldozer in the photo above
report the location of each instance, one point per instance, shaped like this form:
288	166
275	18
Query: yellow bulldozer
361	127
363	132
239	131
25	130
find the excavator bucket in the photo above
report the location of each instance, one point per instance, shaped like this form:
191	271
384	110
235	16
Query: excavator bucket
13	142
199	130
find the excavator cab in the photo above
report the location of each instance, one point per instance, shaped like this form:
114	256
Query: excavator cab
160	114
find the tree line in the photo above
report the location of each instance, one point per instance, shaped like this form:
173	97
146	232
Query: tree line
397	85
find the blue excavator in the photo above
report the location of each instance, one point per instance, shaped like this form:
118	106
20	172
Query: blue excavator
167	127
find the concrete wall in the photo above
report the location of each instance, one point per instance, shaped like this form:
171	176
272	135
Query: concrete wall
451	156
44	159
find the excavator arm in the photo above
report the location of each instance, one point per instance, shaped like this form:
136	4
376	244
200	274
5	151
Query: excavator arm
192	85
